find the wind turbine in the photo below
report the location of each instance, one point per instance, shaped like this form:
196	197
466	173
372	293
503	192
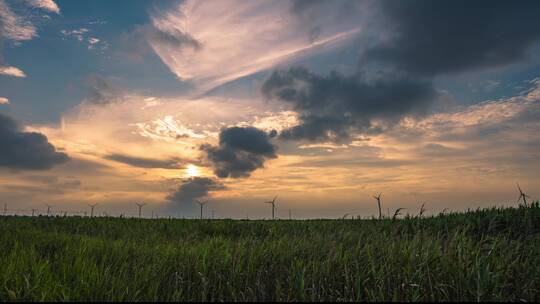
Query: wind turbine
378	198
273	202
522	196
49	209
92	206
202	205
140	207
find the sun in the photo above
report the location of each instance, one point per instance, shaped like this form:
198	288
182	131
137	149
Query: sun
192	171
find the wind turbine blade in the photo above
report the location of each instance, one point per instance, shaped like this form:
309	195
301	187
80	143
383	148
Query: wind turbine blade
519	188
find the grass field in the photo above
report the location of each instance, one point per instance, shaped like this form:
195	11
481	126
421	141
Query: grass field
481	255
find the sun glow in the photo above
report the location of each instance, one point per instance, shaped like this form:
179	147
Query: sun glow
192	171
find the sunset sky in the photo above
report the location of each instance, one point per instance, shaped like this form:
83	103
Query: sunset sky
323	103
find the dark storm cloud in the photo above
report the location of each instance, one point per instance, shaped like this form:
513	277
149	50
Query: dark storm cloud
240	151
140	162
301	6
26	150
194	188
435	37
394	78
316	15
332	106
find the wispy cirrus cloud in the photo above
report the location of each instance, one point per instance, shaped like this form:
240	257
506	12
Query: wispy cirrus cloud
13	26
145	162
18	27
48	5
239	37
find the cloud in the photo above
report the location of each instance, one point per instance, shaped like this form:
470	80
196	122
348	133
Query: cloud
101	91
404	47
142	39
81	34
15	27
331	107
239	37
318	16
150	163
11	71
78	33
166	34
194	188
48	5
240	151
454	36
167	129
488	122
4	101
19	27
93	40
26	150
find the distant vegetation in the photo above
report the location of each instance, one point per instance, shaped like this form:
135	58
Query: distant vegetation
479	255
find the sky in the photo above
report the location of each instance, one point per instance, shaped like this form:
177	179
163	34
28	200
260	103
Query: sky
321	103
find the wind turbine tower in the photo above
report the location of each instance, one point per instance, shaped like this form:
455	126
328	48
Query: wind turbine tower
92	206
378	198
140	208
522	196
273	203
201	204
49	207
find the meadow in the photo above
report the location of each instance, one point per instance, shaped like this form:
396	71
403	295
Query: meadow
481	255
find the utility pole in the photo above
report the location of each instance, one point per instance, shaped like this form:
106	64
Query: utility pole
49	209
140	207
33	211
5	209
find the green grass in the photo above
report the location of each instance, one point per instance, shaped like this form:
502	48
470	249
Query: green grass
481	255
